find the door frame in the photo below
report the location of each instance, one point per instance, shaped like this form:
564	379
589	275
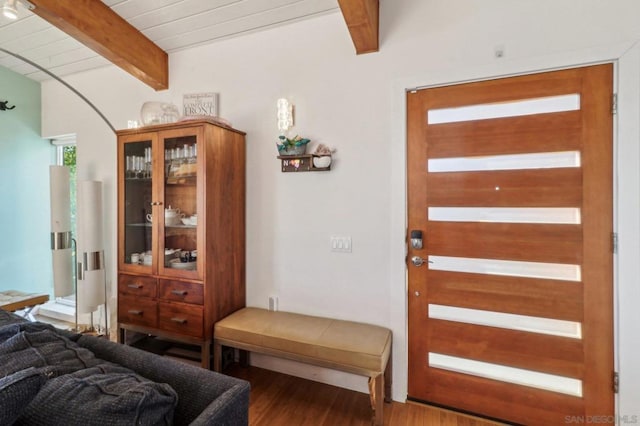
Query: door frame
626	144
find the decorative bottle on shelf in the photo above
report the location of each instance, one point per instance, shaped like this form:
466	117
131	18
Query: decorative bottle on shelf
147	162
191	160
176	162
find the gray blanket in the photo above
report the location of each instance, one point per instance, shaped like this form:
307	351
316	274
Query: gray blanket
80	389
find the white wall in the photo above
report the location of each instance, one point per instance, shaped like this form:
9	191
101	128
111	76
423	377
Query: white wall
353	103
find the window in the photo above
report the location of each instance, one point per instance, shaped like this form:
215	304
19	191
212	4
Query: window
66	156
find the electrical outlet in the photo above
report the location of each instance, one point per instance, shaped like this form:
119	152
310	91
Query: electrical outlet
273	303
340	244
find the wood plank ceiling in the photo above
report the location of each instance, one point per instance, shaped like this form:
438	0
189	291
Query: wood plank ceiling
172	25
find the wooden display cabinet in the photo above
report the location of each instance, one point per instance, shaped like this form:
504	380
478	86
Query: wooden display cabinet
177	278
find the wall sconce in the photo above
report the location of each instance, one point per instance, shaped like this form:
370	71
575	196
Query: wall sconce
285	115
4	106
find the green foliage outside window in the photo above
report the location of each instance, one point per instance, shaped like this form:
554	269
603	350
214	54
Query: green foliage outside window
69	160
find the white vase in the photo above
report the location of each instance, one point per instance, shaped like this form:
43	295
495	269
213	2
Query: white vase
322	162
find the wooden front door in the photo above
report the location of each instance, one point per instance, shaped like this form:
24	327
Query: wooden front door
510	183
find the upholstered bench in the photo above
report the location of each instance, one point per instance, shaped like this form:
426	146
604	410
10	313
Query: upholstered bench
341	345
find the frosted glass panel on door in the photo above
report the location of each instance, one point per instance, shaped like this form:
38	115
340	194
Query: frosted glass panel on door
544	160
558	271
505	214
505	109
508	321
503	373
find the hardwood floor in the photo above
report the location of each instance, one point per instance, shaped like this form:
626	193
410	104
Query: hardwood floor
282	400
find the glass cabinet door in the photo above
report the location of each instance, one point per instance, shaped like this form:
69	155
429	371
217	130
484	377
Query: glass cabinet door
179	230
137	231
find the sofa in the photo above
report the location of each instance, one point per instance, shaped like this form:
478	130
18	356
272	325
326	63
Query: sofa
50	377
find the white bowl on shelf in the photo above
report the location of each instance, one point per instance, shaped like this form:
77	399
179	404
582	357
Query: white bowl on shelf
178	264
172	220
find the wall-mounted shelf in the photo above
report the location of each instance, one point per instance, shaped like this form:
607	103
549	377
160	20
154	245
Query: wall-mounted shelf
300	163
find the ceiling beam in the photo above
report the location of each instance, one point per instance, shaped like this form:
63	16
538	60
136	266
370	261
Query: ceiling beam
99	28
362	17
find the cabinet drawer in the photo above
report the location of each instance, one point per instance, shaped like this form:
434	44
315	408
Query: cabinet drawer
180	291
135	285
137	310
183	319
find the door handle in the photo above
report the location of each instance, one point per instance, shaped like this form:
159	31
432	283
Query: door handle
418	261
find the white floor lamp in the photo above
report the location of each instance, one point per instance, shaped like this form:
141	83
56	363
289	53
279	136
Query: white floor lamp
63	245
92	286
89	281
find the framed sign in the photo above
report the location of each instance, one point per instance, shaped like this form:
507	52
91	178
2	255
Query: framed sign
194	104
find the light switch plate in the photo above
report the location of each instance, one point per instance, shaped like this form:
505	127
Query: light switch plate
340	243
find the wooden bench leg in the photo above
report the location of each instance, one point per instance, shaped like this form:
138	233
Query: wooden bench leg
217	356
376	393
387	380
244	358
205	354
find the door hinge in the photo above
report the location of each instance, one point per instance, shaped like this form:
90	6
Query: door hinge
614	242
614	104
616	382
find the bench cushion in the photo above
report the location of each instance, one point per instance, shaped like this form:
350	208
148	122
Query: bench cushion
350	344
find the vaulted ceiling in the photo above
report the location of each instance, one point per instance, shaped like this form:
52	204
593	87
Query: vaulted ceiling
69	36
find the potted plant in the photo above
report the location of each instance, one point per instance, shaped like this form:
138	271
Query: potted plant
292	146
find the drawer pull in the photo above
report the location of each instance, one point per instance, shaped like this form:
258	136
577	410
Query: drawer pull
135	285
179	292
134	312
179	320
